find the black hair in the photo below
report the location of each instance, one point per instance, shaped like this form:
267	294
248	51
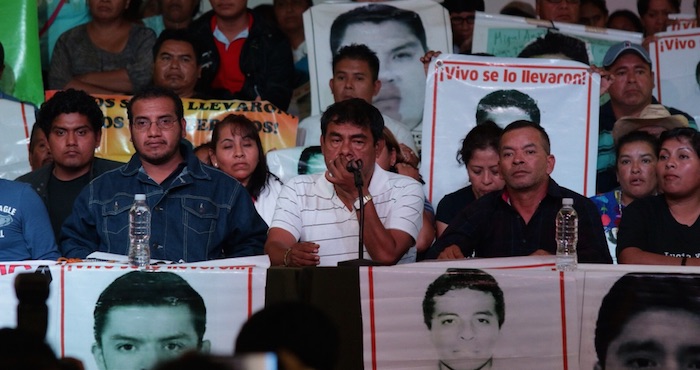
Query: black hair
688	133
358	52
459	6
354	111
376	13
643	6
635	293
70	101
458	278
150	289
634	137
299	328
624	13
305	157
244	127
518	9
525	124
600	4
504	99
308	3
32	138
2	56
484	136
177	35
557	43
153	92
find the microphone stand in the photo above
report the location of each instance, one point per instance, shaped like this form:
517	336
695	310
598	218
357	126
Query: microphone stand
355	168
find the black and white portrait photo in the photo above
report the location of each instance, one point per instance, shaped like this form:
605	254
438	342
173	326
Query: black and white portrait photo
466	318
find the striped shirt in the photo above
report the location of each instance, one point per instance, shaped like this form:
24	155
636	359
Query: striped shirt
309	208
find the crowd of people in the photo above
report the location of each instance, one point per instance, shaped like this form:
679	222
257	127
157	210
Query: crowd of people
371	158
223	201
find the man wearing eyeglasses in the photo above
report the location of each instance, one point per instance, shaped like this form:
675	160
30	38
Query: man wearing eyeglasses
462	20
559	10
198	213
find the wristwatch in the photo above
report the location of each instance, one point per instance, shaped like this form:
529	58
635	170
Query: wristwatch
365	199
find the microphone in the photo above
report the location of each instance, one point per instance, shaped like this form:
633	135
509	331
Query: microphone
354	166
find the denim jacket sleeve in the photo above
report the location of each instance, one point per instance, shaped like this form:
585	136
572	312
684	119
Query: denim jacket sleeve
247	235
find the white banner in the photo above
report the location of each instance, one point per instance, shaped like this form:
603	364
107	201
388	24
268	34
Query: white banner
400	68
563	93
230	295
682	21
16	123
536	326
507	36
676	65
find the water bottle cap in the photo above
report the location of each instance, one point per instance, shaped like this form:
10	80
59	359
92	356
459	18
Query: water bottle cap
139	196
567	202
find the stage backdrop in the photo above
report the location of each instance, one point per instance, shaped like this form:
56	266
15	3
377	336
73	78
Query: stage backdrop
676	64
567	97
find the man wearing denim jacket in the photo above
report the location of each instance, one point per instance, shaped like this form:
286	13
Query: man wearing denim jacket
198	212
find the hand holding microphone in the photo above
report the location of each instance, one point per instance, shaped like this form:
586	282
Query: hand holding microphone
354	166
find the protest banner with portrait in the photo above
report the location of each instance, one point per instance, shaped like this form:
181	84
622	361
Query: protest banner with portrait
676	66
468	318
639	316
145	316
508	36
560	95
400	32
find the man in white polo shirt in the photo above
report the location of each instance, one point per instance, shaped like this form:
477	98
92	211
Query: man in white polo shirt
316	219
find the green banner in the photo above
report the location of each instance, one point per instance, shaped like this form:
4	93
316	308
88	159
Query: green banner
19	35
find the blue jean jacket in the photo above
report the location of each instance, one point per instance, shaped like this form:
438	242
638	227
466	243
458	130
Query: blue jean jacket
201	214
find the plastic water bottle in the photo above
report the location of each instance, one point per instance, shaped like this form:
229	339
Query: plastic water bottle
567	236
139	232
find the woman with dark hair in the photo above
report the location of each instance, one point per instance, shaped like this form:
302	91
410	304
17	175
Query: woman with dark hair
238	151
664	229
479	153
635	167
625	20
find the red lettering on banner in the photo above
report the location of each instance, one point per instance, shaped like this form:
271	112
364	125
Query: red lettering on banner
683	24
554	78
677	44
458	73
10	269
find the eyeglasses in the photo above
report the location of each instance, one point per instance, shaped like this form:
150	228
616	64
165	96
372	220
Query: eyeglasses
163	123
568	1
457	21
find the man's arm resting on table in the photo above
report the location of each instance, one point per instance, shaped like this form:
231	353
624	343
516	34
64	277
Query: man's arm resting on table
452	252
383	245
281	244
